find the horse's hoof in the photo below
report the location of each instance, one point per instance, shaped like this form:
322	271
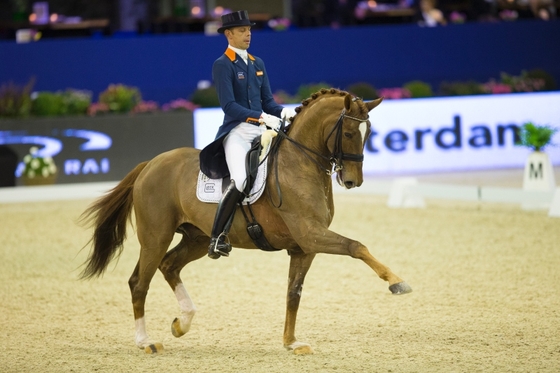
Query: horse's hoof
154	348
176	328
300	348
400	288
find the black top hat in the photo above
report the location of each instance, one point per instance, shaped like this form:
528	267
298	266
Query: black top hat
235	19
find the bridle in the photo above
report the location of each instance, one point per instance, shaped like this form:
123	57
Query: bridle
335	159
338	155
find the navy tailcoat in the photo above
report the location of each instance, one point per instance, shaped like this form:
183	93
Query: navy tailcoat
244	93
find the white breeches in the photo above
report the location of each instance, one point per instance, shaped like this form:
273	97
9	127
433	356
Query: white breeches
236	145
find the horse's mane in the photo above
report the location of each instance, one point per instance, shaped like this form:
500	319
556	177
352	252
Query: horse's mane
329	92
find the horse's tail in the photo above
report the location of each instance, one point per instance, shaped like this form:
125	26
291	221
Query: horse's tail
109	216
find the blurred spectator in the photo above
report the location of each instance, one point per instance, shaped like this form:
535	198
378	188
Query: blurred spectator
334	13
484	10
340	12
308	13
429	15
543	9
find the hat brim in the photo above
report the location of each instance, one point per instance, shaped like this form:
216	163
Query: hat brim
224	28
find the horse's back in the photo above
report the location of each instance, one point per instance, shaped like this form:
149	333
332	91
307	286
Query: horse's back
177	168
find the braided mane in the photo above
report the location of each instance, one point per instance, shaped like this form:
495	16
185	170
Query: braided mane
326	92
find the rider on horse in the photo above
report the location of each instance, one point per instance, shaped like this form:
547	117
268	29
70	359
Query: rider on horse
249	107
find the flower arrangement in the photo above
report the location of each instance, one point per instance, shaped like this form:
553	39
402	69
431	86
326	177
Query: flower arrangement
69	102
179	105
363	90
395	93
523	82
146	107
535	137
97	108
36	167
15	100
467	88
206	97
120	98
495	88
419	89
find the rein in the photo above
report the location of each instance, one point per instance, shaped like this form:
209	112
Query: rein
335	159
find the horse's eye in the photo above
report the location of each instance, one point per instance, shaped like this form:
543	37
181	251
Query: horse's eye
348	135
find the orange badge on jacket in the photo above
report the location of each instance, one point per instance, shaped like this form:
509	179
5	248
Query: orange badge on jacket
260	73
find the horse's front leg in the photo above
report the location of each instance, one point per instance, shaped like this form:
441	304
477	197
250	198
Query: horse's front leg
317	239
396	284
299	265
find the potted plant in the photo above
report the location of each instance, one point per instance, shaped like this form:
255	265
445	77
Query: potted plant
38	170
538	174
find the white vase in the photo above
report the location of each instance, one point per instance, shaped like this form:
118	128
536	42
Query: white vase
538	176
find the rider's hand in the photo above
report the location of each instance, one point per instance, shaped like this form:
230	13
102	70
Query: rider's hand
288	114
270	121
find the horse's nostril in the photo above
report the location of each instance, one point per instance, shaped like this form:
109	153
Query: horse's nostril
349	184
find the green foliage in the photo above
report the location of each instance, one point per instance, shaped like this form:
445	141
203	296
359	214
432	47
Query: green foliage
363	90
306	90
120	98
522	82
461	88
419	89
48	104
535	137
76	101
549	81
69	102
205	97
15	100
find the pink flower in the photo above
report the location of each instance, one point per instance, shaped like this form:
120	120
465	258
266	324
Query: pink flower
496	88
97	108
179	105
394	93
145	107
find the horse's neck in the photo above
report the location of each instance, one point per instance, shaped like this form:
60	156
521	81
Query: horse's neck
309	130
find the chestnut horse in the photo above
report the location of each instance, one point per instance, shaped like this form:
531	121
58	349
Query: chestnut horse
326	136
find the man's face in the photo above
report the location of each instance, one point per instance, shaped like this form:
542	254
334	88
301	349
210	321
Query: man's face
239	37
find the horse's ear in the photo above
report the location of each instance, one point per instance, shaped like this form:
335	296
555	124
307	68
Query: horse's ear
372	104
348	101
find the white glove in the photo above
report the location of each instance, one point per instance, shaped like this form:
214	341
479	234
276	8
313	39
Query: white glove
288	114
270	121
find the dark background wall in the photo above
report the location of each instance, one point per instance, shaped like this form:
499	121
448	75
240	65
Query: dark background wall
166	67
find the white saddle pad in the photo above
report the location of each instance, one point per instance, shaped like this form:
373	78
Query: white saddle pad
210	190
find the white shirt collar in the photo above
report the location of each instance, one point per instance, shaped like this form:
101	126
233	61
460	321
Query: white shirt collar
241	52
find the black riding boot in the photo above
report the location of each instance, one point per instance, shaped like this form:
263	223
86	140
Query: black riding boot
222	222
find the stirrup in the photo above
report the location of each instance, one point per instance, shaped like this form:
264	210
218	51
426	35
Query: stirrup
224	250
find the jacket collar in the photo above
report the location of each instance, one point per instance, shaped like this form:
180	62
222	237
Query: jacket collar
230	53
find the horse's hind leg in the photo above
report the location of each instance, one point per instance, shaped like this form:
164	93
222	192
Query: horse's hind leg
152	250
193	246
